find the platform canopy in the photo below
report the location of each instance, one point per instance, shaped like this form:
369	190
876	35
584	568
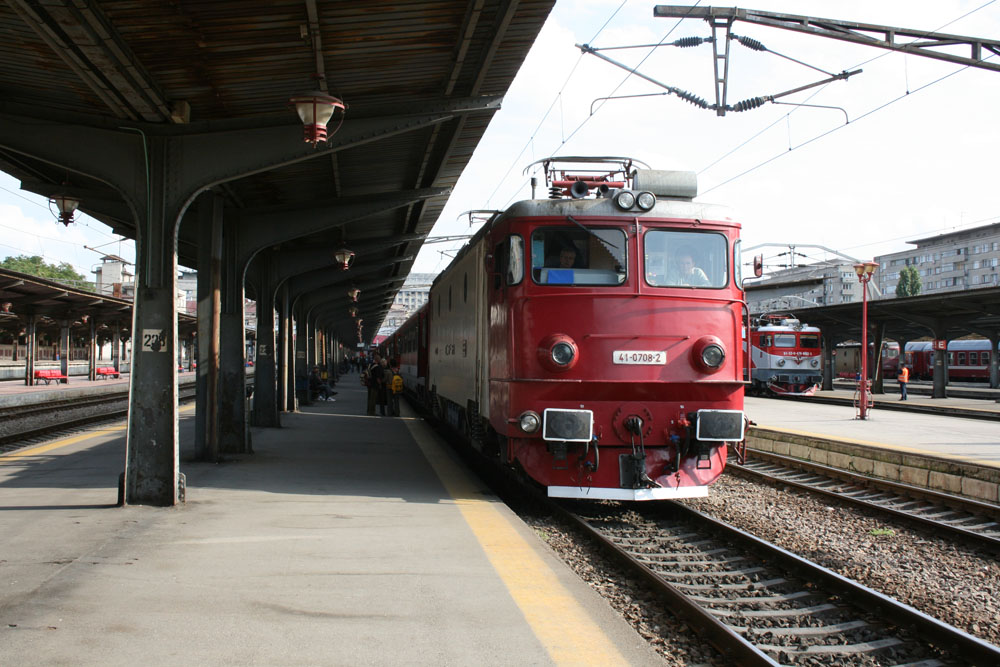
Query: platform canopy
420	81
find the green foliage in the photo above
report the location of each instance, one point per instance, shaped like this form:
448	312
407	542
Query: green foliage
882	532
909	282
37	266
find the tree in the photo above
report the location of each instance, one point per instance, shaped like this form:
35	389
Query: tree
909	282
36	266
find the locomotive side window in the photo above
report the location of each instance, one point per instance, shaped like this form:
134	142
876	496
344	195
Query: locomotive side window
574	256
784	340
685	259
765	341
809	341
515	260
499	264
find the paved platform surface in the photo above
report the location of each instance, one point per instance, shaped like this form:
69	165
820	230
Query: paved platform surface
344	540
972	440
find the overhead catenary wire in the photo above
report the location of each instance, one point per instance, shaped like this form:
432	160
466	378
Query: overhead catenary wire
817	92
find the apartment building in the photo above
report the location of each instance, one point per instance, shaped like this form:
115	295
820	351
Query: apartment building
947	262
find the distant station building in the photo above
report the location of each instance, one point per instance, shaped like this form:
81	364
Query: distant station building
948	262
112	278
821	284
414	293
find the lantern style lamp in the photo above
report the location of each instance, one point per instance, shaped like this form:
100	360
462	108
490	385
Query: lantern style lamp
67	206
353	293
352	311
315	110
344	257
865	270
6	306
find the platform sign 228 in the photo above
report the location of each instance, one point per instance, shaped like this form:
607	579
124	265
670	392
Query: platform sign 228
154	340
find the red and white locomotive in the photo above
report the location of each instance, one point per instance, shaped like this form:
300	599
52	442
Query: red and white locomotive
785	357
592	339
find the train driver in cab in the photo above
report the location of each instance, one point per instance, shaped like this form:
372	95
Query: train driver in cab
684	271
566	259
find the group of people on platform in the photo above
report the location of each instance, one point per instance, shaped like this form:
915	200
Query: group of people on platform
385	385
379	375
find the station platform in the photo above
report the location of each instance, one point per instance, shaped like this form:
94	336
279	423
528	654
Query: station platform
343	540
974	441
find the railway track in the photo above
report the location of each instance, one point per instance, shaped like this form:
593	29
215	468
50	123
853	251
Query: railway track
30	424
973	522
761	605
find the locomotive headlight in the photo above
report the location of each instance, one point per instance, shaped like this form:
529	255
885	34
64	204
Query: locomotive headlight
624	199
815	363
529	421
558	353
645	200
781	362
563	353
708	354
713	355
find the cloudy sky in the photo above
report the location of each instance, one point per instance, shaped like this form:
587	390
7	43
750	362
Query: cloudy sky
917	157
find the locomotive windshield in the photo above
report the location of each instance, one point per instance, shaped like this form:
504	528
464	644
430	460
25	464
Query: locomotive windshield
685	259
809	341
566	256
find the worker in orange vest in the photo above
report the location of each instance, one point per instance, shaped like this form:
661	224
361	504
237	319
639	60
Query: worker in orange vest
903	378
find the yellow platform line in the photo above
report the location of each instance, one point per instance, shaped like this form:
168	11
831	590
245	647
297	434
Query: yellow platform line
65	442
568	633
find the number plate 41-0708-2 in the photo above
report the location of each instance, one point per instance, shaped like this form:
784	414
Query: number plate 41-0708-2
640	357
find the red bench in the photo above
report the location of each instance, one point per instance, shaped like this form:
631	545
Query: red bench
106	372
50	375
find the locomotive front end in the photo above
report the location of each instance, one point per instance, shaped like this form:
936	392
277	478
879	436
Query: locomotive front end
616	328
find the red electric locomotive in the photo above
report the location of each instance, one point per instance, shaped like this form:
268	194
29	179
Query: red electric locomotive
593	339
785	357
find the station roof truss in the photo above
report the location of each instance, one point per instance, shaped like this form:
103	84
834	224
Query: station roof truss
53	303
421	81
948	315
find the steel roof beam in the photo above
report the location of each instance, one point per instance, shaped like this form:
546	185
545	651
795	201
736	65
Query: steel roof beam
849	31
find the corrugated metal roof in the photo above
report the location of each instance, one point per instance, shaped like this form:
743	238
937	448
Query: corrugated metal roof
228	60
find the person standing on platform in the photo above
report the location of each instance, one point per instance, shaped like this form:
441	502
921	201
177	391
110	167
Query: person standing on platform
903	378
368	377
380	373
395	388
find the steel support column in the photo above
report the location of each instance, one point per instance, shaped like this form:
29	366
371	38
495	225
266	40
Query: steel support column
92	350
265	401
209	304
828	370
64	350
233	434
31	335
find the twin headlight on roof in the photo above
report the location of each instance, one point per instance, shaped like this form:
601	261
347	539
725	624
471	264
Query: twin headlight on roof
627	200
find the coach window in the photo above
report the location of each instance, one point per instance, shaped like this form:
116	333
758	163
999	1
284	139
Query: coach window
465	288
784	340
573	256
961	358
685	259
449	298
